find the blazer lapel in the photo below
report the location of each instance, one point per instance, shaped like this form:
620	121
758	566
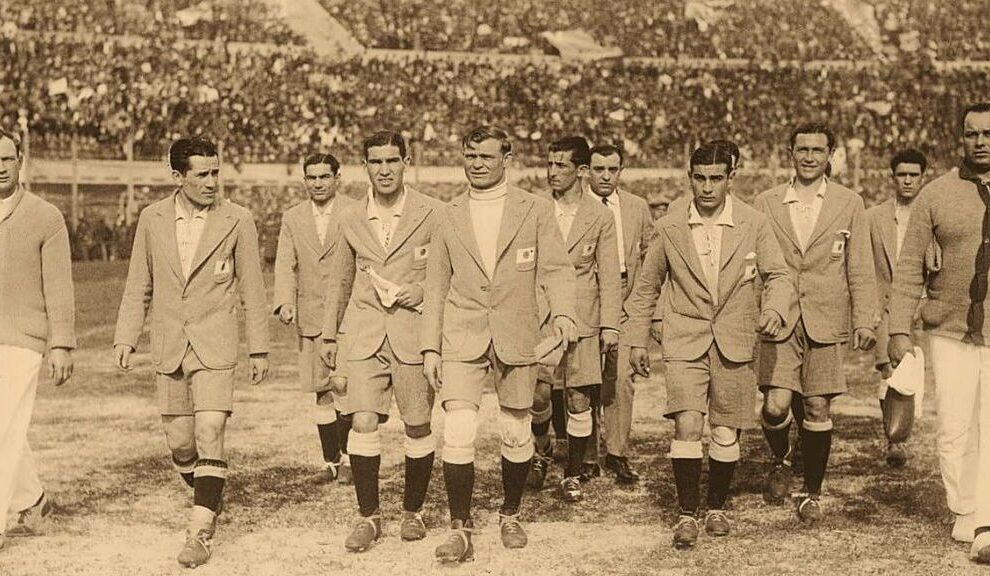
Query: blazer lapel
413	214
461	210
218	225
366	232
516	207
163	227
831	208
888	235
684	244
307	222
781	213
730	240
628	228
582	221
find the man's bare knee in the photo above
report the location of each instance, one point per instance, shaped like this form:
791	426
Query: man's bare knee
210	429
541	397
816	408
180	436
688	425
418	430
578	400
777	402
324	398
364	422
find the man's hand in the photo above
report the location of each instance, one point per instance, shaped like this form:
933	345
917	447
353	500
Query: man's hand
59	365
122	356
900	345
885	370
864	339
432	369
409	295
566	329
328	354
609	340
639	359
770	323
656	330
287	314
259	368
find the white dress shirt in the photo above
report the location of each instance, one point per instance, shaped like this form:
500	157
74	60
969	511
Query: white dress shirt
322	217
804	215
708	242
901	215
385	224
612	203
565	216
188	230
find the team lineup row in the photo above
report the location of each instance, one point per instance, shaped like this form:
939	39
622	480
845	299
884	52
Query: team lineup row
554	297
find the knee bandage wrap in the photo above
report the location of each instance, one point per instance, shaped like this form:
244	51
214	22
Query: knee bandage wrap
724	446
325	414
580	424
578	401
420	447
460	429
368	444
769	426
517	436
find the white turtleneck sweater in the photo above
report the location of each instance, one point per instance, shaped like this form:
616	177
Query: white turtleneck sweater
486	219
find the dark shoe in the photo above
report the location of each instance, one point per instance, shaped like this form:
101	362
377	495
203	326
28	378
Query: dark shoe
980	551
457	546
412	527
365	533
686	532
513	535
538	471
34	520
560	450
326	476
344	474
589	471
778	483
897	455
717	523
196	551
809	509
570	489
619	465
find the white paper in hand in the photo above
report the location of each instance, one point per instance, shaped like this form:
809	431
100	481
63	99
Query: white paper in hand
909	378
385	288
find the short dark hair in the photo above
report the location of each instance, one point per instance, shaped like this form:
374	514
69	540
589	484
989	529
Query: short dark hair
731	147
711	154
977	108
909	156
482	133
385	138
322	158
183	149
577	146
13	137
813	128
607	150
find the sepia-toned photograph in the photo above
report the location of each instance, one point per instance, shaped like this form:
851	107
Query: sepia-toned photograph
500	287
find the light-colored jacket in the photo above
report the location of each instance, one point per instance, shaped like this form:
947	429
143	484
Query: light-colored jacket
303	265
200	312
691	322
834	276
593	251
366	321
465	311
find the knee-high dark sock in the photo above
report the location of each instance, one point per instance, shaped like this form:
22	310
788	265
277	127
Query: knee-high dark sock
797	408
329	441
719	483
186	469
459	481
365	469
513	484
210	476
541	433
816	439
418	472
687	477
343	430
576	445
777	431
591	448
559	417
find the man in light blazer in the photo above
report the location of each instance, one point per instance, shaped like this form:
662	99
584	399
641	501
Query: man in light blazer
900	392
384	248
588	230
823	233
634	232
494	246
193	252
309	233
708	254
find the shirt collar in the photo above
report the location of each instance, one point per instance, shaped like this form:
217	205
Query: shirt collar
791	194
724	219
966	172
181	214
317	212
373	206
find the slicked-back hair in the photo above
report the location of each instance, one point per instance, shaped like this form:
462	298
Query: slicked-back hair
482	133
322	158
975	108
711	154
385	138
13	137
813	128
731	147
607	150
577	146
183	149
909	156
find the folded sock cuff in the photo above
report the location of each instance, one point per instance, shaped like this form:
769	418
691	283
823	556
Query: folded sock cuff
685	449
770	426
367	444
811	426
214	468
420	447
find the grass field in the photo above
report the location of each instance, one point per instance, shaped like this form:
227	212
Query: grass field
121	509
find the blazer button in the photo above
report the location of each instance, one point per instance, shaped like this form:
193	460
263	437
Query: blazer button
484	288
797	251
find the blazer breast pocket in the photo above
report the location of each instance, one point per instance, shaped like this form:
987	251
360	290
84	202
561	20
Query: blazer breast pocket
526	258
223	269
